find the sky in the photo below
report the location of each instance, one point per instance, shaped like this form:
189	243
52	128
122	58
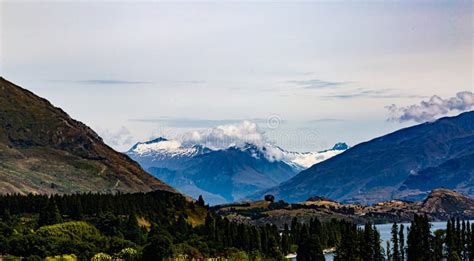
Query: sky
309	74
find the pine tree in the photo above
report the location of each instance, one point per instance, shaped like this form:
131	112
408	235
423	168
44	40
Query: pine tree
310	249
378	251
462	240
159	245
420	246
7	217
450	241
133	231
401	238
368	244
347	246
388	252
50	214
285	240
471	245
438	242
395	241
200	201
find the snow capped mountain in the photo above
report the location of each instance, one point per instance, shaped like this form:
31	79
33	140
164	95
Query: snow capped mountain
163	149
170	148
304	160
164	153
223	175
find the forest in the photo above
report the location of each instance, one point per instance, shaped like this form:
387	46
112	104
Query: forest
166	226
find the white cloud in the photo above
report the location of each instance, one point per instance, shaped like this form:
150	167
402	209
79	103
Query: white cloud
431	109
224	136
120	137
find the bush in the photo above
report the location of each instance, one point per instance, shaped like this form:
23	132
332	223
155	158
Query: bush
128	254
61	258
101	257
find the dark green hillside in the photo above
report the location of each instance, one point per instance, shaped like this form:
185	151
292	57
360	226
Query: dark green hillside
148	226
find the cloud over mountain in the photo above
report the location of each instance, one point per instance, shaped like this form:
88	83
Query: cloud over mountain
228	135
431	109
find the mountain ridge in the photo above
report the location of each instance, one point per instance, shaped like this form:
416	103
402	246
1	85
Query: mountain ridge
220	175
381	168
44	150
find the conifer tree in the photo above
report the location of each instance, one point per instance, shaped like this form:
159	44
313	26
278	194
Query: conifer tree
450	241
368	244
401	238
395	241
388	251
200	201
50	214
285	240
438	242
378	251
159	245
7	217
310	249
133	231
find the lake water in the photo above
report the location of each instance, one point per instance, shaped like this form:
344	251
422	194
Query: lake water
385	231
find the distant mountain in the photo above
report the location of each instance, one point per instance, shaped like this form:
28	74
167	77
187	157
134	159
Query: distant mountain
406	164
223	175
304	160
43	150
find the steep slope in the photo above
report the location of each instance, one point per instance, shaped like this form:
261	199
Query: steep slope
43	150
382	168
455	174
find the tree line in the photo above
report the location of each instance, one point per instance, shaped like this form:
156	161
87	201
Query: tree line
161	225
155	225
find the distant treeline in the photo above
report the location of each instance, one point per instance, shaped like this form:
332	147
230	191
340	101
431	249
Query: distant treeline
161	225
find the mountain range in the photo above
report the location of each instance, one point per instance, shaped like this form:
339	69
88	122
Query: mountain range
43	150
223	175
405	164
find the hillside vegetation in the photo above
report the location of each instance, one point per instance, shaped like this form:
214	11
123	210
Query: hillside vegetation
43	150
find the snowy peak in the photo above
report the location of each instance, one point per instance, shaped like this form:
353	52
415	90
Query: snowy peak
340	146
304	160
164	147
223	174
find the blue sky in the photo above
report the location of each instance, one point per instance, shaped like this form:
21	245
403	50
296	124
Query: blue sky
324	70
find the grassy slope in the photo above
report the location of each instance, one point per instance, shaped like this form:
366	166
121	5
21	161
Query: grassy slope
43	150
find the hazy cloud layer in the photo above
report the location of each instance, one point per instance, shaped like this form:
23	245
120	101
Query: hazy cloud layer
197	123
109	82
370	93
431	109
317	83
119	137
